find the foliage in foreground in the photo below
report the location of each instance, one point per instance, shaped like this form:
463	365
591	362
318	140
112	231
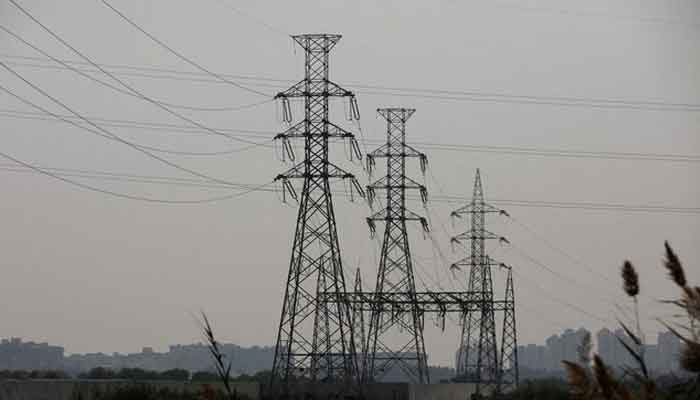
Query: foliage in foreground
33	374
149	392
596	381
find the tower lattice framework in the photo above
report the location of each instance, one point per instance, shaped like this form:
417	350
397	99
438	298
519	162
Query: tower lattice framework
478	360
315	339
396	341
509	376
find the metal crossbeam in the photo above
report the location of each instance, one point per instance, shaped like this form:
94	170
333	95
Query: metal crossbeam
404	302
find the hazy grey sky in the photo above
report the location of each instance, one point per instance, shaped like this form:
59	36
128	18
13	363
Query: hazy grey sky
97	273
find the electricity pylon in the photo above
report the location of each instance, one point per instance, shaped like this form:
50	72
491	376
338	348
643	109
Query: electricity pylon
358	323
395	274
509	375
477	360
315	339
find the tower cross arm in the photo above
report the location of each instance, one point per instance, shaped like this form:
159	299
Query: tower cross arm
312	87
299	131
387	151
476	207
468	261
333	171
384	184
477	235
383	215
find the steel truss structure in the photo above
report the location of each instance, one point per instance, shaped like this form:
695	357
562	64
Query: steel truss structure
395	342
315	340
478	361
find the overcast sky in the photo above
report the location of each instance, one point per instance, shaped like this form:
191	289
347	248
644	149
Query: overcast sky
94	272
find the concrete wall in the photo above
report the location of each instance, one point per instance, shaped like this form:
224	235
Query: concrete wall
442	391
93	389
374	391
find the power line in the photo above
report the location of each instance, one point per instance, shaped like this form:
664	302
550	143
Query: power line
144	125
85	74
509	150
99	128
121	82
558	300
157	72
257	20
582	13
178	54
452	199
557	274
57	117
124	195
436	94
577	205
72	121
561	153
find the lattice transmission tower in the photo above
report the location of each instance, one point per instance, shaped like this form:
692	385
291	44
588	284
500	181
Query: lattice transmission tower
396	341
477	360
508	369
358	323
315	340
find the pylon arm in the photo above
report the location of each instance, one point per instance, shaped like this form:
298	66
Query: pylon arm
476	235
468	261
404	302
471	208
383	184
299	172
299	131
382	215
384	151
306	88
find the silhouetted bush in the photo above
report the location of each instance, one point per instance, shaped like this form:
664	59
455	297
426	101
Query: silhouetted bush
205	376
34	374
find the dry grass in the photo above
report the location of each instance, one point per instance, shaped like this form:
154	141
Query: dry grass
601	383
223	369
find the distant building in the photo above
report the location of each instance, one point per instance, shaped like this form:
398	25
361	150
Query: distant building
539	361
16	354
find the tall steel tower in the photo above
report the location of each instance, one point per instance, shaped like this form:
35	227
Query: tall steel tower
315	338
477	359
509	376
358	323
396	341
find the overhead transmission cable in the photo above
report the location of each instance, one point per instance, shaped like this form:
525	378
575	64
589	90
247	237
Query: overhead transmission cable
58	117
628	208
436	94
543	291
434	199
180	55
132	124
122	83
87	75
257	20
124	195
99	128
522	151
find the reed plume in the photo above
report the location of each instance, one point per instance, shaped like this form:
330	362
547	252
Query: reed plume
630	279
579	381
674	266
